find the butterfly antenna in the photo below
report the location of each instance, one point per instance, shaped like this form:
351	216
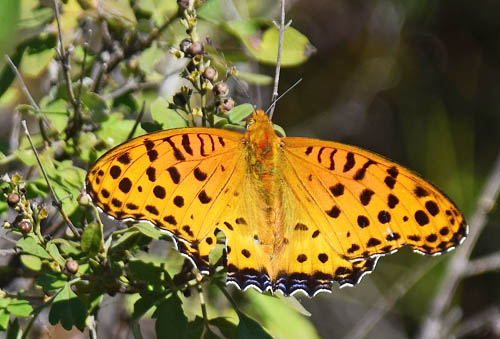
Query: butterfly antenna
281	96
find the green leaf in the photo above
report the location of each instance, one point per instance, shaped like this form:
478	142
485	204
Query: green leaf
14	331
68	310
279	317
145	303
279	130
115	130
54	252
31	262
4	319
227	328
262	40
29	245
171	309
99	110
240	113
57	113
255	78
19	307
9	16
91	241
149	230
249	328
68	248
166	117
149	58
33	64
51	281
145	272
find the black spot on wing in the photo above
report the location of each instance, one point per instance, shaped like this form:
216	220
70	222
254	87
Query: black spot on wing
177	153
174	174
349	162
186	144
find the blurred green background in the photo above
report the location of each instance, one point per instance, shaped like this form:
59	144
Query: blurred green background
416	81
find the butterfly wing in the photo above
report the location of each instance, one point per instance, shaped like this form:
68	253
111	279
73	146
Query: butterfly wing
173	179
371	205
348	206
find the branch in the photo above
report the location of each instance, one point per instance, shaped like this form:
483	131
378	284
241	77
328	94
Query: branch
42	119
56	200
432	327
483	265
490	316
281	29
64	57
363	327
130	86
137	121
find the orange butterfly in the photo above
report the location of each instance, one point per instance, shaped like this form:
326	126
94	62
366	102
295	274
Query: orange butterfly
297	213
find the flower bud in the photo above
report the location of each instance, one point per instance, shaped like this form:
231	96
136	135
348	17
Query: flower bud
221	89
25	226
72	266
196	48
13	199
210	73
226	105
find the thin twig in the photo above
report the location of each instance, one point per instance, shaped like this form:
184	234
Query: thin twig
56	200
42	119
432	326
281	28
477	322
23	85
131	85
137	121
385	303
64	57
7	252
482	265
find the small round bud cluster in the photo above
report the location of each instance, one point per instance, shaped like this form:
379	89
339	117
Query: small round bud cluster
25	226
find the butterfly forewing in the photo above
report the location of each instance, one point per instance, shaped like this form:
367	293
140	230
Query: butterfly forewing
169	178
373	206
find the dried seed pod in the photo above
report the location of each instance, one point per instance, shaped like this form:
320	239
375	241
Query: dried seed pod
184	45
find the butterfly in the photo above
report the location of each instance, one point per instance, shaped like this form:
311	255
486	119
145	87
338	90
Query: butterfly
298	214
